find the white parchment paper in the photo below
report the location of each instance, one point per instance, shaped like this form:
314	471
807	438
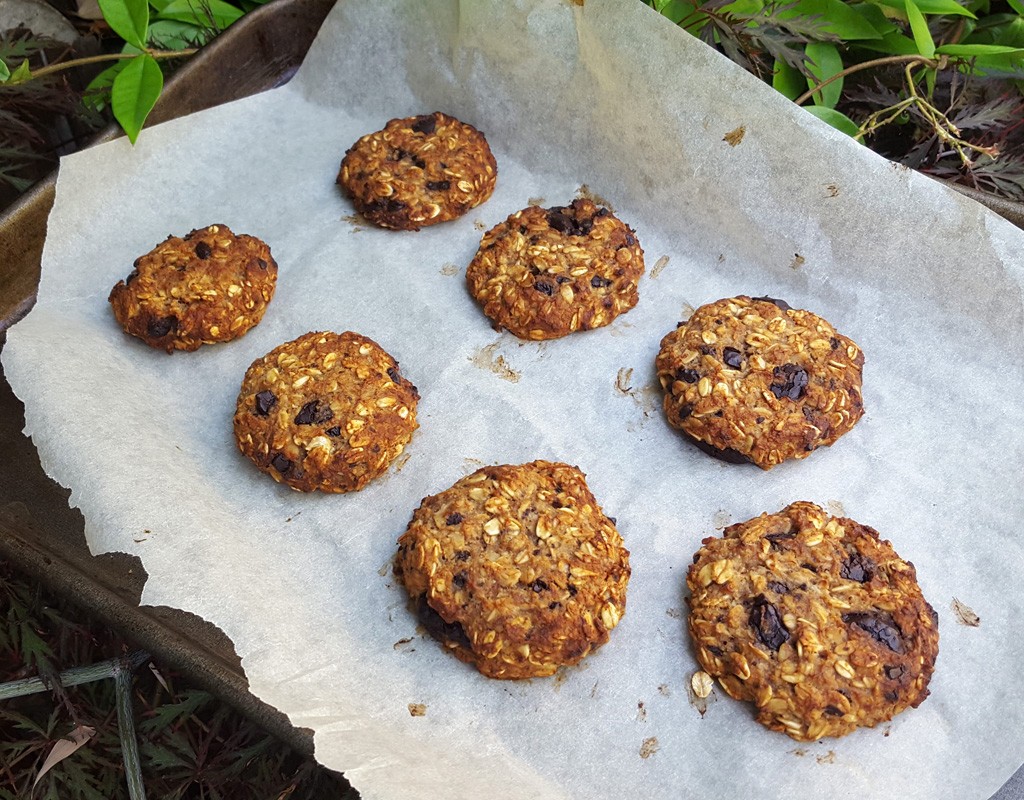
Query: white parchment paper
609	95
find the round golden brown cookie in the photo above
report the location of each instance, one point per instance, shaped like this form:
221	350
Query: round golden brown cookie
755	380
516	569
418	171
210	286
814	619
327	411
544	273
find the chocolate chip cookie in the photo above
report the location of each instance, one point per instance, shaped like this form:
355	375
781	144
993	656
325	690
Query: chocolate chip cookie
210	286
326	411
516	569
815	619
751	379
544	273
418	171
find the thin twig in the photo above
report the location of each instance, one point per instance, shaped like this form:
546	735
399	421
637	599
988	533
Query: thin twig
876	62
70	677
123	674
52	69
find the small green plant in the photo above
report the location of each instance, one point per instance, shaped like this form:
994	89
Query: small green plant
150	32
934	84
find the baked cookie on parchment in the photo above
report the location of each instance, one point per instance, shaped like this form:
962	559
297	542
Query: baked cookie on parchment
516	569
326	411
209	286
418	171
544	273
751	379
814	619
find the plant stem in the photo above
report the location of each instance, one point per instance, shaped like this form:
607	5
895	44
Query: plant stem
71	677
126	729
52	69
877	62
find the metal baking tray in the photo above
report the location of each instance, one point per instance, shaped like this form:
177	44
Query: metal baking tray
39	533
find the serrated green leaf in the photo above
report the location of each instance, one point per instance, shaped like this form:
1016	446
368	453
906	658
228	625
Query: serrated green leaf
836	119
977	50
837	18
135	92
205	13
894	44
788	80
929	7
170	34
825	62
128	18
167	714
919	27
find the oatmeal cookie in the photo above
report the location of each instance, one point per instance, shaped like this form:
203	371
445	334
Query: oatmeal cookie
418	171
751	379
544	273
326	411
210	286
516	569
814	619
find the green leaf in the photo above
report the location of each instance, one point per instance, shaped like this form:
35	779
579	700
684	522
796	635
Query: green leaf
836	119
21	73
5	73
788	80
836	17
1017	6
743	8
128	18
977	50
676	10
170	34
97	94
825	62
929	7
135	92
919	27
893	44
158	5
205	13
875	17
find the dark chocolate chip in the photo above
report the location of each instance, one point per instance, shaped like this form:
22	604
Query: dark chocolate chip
203	250
572	590
538	586
454	519
728	455
544	287
892	696
425	124
562	279
857	567
718	651
767	623
879	627
131	276
602	212
459	578
687	375
335	431
394	375
443	631
599	283
778	537
810	568
630	239
560	221
265	401
774	301
554	605
685	411
790	381
162	326
462	555
834	342
385	205
438	186
262	264
419	162
759	420
895	672
314	413
732	357
280	463
613	521
833	711
778	588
